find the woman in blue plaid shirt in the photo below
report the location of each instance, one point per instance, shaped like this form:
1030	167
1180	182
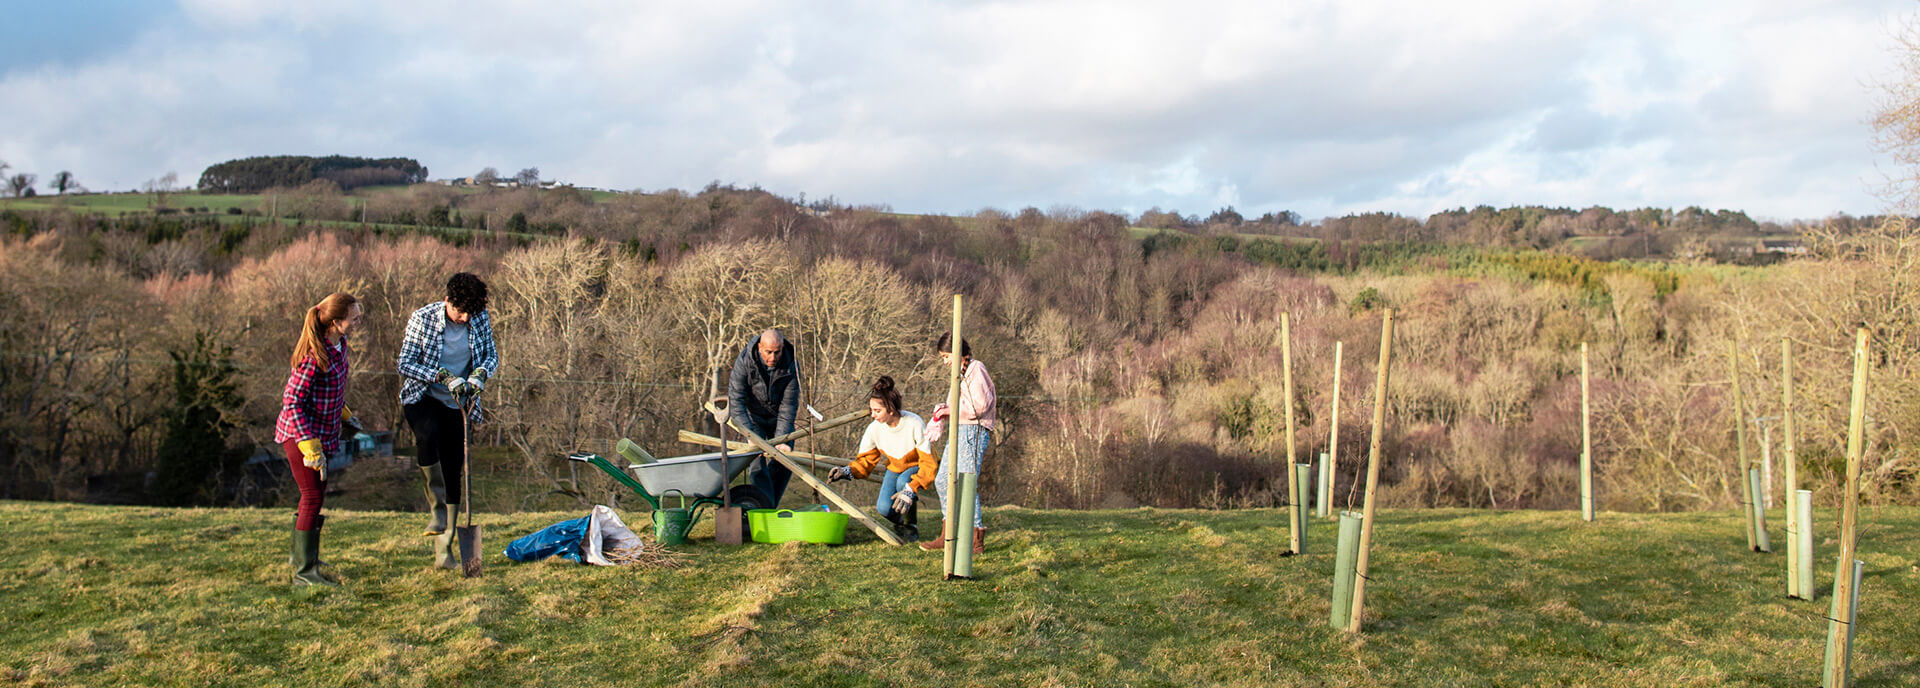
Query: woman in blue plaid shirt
446	358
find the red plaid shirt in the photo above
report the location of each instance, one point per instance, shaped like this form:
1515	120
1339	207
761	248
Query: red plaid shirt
311	406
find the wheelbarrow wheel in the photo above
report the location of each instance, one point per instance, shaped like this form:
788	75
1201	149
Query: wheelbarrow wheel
749	497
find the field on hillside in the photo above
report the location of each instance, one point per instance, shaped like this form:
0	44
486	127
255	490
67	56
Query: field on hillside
142	596
122	203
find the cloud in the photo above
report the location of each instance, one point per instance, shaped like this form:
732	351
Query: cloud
1319	107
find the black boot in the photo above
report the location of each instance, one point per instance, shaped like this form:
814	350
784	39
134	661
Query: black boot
436	486
909	528
306	559
899	525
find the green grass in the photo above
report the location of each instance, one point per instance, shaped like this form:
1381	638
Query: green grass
123	203
101	595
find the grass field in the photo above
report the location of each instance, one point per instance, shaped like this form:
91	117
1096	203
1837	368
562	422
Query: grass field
122	203
102	596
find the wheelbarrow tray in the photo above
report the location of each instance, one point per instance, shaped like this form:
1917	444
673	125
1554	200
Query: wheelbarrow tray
697	476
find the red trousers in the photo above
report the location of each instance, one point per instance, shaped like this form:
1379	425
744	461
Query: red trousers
313	490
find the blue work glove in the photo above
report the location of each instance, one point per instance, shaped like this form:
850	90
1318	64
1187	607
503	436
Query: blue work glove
839	473
902	500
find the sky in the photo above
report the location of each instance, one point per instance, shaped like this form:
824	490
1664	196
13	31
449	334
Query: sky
1320	108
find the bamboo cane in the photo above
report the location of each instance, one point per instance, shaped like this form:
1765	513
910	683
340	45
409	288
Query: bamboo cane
1747	499
1790	458
1373	472
1843	591
1294	488
951	512
1332	459
1586	438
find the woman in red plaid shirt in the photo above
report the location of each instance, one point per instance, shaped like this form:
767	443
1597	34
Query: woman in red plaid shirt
312	411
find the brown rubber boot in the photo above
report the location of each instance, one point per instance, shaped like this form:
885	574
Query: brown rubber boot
935	545
979	541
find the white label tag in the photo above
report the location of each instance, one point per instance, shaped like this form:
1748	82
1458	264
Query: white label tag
816	414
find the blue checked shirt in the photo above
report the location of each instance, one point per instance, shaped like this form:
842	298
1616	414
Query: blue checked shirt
420	351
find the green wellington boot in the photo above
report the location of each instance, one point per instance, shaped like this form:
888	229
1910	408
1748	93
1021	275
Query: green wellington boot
436	484
306	559
445	551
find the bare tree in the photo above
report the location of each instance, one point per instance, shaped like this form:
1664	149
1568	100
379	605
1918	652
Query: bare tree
160	188
18	185
486	177
528	177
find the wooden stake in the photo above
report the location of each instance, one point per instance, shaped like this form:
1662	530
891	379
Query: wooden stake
1843	591
1294	489
1747	499
1373	472
1333	435
951	516
1586	438
1791	460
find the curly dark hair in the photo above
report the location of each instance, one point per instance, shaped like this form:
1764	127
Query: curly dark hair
467	293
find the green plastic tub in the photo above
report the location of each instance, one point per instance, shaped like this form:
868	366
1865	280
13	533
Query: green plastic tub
782	525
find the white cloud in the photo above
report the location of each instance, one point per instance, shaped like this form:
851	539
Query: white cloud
1318	107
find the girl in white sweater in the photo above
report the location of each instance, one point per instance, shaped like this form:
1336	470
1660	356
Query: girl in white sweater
899	439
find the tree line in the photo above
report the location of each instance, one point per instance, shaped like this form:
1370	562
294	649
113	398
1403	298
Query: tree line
256	174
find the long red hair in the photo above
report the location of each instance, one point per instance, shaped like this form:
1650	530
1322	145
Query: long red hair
321	317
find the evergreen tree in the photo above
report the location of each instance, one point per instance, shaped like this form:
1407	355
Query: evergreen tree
194	456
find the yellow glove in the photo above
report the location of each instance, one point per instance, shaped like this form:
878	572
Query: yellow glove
346	415
311	456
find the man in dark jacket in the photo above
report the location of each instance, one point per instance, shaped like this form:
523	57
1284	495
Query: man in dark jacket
763	395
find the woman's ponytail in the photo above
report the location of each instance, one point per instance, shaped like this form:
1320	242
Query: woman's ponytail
320	317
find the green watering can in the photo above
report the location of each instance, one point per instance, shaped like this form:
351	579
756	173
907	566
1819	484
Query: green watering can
671	525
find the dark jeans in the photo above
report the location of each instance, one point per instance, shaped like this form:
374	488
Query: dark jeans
767	474
436	435
313	490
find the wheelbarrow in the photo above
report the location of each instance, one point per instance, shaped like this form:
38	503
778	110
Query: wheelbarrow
697	476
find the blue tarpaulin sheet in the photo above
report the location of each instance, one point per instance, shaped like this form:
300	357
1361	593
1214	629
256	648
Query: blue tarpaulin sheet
560	539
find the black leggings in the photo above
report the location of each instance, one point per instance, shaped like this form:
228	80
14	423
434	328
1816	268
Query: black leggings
436	435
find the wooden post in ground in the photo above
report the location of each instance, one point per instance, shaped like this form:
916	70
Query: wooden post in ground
1332	459
1373	472
1295	491
951	514
1586	438
1791	459
1838	632
1747	498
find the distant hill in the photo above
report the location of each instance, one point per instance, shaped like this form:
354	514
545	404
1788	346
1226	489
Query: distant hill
253	175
